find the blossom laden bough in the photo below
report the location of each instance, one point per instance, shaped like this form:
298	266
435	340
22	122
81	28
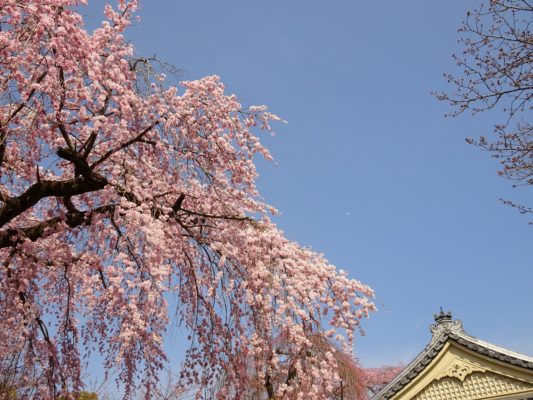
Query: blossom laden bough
116	194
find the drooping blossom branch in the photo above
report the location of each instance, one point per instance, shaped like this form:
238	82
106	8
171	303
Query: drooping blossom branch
120	195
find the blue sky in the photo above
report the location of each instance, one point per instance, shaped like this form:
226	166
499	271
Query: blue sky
369	171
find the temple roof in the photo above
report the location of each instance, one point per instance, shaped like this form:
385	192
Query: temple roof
445	331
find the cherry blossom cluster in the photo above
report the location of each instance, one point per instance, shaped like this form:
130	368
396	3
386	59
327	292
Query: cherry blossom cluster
117	201
375	379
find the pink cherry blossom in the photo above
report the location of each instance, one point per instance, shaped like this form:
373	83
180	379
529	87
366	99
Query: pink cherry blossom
374	379
118	198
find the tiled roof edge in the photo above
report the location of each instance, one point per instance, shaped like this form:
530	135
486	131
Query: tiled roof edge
441	334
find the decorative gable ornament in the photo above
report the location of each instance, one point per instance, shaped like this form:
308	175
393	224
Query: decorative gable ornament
460	369
458	366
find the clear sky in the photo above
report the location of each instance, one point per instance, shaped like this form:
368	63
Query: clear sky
369	171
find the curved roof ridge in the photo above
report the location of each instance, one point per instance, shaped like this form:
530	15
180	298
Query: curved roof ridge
412	369
494	347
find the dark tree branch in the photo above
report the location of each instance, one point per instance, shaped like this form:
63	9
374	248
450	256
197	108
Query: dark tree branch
81	167
126	144
13	207
10	237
